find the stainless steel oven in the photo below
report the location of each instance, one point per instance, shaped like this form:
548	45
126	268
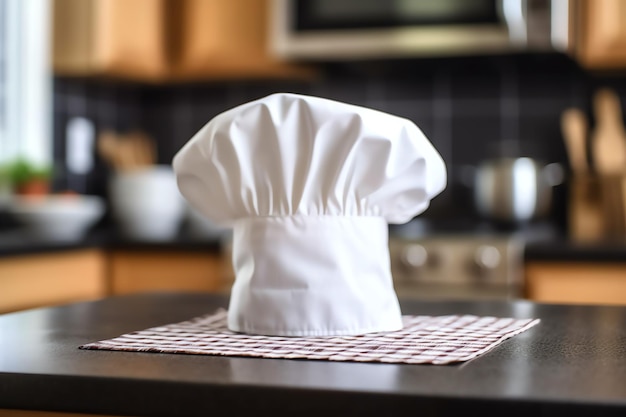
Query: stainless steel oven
475	262
459	266
355	29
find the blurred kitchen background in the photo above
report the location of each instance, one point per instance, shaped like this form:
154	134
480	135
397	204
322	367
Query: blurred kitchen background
489	82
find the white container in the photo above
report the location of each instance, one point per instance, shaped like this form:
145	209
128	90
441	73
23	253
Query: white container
146	203
58	217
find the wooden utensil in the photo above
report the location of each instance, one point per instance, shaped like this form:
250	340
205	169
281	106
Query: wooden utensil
609	139
574	126
143	149
622	185
609	156
585	217
127	152
108	149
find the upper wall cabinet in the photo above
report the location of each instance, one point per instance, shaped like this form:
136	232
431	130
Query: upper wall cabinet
599	29
165	40
110	37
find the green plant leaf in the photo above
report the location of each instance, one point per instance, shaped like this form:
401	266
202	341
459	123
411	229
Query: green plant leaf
21	171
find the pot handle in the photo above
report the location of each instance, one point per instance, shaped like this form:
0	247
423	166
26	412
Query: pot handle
553	174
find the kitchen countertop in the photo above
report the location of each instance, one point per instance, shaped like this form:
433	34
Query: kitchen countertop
572	363
18	242
550	247
566	250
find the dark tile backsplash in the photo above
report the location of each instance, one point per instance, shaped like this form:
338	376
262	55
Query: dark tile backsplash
470	108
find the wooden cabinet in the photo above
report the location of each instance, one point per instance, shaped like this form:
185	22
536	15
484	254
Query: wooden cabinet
599	31
36	280
117	38
47	279
165	40
139	271
576	282
226	39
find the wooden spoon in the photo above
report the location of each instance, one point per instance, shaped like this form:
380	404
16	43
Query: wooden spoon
574	125
126	153
585	207
609	138
609	155
109	150
144	148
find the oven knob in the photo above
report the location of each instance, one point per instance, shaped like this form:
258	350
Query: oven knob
414	256
487	258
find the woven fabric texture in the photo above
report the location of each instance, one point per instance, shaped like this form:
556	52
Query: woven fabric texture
423	340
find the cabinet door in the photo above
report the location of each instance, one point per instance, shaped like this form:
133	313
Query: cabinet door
600	33
586	283
138	271
29	281
130	38
72	47
110	38
225	39
166	40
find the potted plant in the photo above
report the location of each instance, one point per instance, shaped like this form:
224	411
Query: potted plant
26	178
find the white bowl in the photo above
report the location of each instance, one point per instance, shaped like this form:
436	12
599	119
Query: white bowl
146	203
63	217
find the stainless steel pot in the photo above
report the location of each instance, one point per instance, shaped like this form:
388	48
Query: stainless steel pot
513	190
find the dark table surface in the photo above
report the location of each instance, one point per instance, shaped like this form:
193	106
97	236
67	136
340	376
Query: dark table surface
573	361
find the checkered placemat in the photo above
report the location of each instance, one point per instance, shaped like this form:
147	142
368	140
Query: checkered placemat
424	339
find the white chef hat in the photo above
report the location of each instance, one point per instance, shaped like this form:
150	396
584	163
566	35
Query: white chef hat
309	186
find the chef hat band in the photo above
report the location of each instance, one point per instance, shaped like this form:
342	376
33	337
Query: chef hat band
312	276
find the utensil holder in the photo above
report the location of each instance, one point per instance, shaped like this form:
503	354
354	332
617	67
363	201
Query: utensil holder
613	206
597	210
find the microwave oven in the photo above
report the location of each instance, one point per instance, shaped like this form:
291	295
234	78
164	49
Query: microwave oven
371	29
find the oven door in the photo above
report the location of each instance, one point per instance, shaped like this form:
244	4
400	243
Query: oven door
457	267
